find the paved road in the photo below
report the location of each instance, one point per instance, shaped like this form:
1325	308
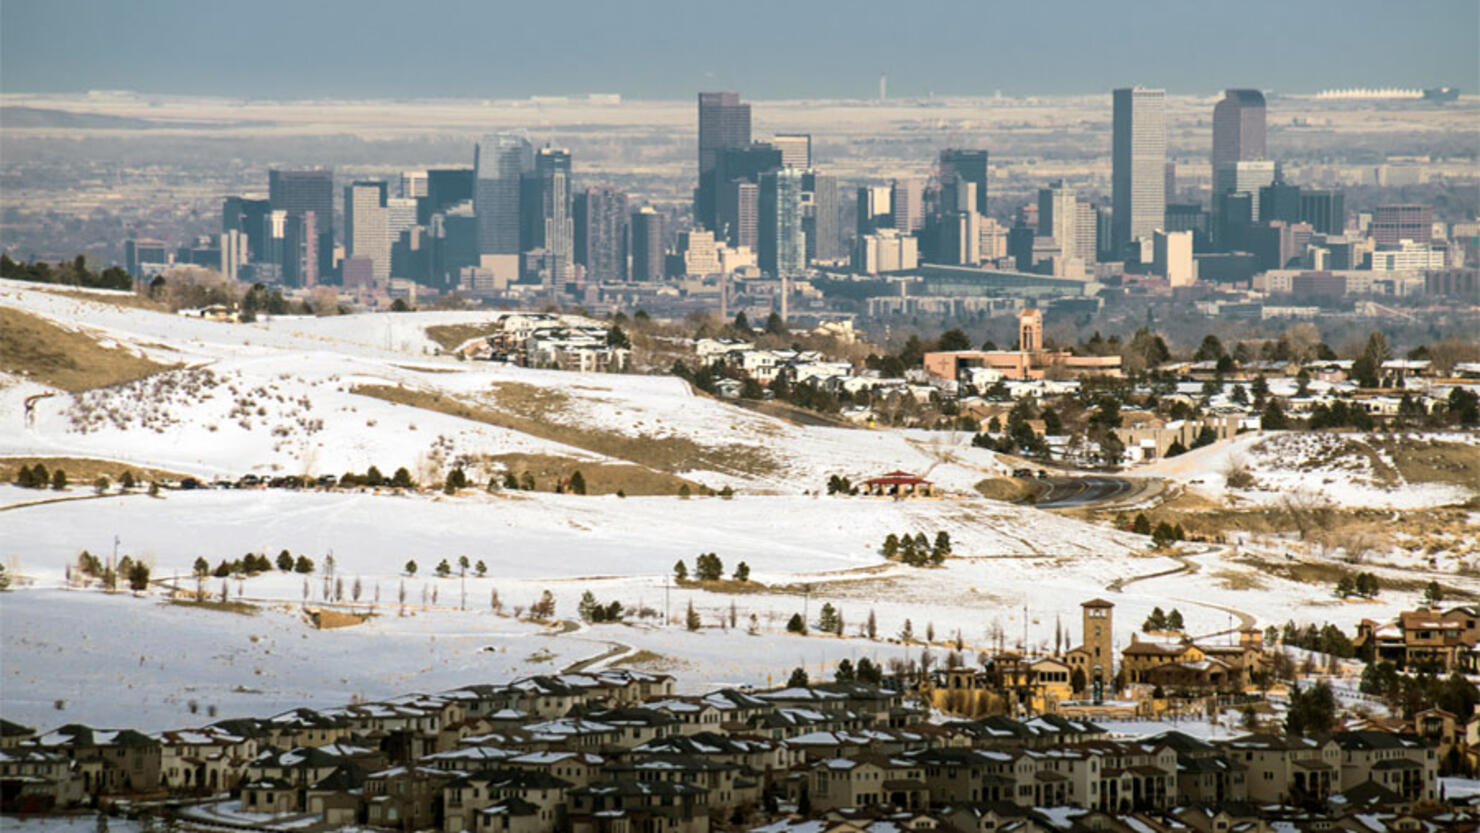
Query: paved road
1062	492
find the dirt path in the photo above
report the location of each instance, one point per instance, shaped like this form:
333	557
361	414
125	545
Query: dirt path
1186	566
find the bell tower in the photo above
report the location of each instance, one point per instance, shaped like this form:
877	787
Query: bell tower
1030	330
1098	642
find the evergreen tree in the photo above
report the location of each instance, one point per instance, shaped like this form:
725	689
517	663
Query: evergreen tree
1142	524
795	624
444	569
58	480
202	567
869	672
680	571
577	483
481	568
303	564
798	678
742	572
871	627
411	568
587	607
845	672
907	633
1174	620
138	576
891	545
285	561
691	618
827	620
1433	594
1156	621
373	477
942	547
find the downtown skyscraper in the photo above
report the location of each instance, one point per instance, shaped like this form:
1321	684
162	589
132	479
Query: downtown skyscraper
367	231
306	199
601	233
548	208
724	122
1238	128
969	165
1138	159
500	163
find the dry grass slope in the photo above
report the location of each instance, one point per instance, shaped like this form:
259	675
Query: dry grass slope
83	470
530	410
33	347
452	335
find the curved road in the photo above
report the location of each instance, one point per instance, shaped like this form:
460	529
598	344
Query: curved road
1063	492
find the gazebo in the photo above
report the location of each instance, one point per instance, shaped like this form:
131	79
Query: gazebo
899	484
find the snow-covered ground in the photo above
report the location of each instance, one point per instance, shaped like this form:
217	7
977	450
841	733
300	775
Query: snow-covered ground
276	398
1316	465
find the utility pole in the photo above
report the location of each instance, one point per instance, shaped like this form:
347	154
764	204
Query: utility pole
665	600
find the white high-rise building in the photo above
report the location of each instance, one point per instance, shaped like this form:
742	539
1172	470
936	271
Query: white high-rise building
367	225
402	215
796	149
1172	257
413	184
906	198
233	253
1139	156
1245	177
700	257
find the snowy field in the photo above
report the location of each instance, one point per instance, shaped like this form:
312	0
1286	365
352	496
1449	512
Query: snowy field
1317	466
276	398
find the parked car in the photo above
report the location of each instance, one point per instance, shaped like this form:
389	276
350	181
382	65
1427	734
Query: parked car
249	481
328	481
1022	472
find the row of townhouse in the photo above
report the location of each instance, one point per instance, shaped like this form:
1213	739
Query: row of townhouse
620	752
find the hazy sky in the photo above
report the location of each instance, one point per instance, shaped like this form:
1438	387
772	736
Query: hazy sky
764	48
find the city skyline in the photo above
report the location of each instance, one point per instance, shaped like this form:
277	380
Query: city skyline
610	50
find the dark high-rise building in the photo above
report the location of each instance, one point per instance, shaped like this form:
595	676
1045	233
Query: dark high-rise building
746	162
248	217
820	216
1280	201
1392	224
1190	217
601	233
1238	128
1324	210
141	252
737	172
500	162
299	192
970	165
446	187
1233	216
647	245
783	249
546	221
300	249
724	122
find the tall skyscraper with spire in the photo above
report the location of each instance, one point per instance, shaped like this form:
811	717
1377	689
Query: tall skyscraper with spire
1138	165
548	213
